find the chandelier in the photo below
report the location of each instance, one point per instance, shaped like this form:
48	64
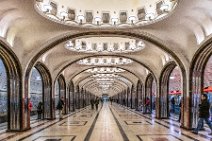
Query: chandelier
105	45
85	14
105	61
105	75
105	70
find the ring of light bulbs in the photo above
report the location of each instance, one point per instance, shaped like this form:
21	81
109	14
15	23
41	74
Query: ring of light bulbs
105	61
115	47
105	81
61	15
105	70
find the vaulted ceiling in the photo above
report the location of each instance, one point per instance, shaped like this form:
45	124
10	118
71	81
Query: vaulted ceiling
33	35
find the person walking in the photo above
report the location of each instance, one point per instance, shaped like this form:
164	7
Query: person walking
147	105
203	114
97	103
92	103
60	106
30	106
173	104
181	109
101	100
40	109
111	100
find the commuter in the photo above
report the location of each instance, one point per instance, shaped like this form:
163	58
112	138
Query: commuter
203	114
181	109
40	109
101	100
211	112
173	105
60	106
111	100
92	103
30	106
97	103
147	105
124	102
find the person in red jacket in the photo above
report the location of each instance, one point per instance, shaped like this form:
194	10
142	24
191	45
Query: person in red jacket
30	106
147	105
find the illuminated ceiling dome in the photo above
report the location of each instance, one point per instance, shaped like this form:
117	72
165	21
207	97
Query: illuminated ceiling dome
105	13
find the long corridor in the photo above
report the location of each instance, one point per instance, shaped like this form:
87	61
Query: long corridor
108	123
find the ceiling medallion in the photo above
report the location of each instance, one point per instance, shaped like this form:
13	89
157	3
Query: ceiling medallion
105	45
113	13
105	61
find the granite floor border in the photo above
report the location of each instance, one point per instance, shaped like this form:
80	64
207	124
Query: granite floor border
90	131
140	139
120	127
165	125
9	137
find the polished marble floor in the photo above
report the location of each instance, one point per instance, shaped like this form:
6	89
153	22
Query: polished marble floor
108	123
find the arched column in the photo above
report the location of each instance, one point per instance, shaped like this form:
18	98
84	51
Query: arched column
128	96
139	94
62	92
81	98
148	90
16	103
77	97
71	97
132	97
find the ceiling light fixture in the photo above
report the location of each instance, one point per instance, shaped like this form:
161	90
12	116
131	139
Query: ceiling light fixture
102	45
114	17
105	70
105	61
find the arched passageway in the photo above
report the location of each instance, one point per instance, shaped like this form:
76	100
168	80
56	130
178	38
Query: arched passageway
41	91
175	93
36	93
197	80
208	82
164	89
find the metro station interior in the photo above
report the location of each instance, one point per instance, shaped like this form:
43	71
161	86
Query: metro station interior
126	70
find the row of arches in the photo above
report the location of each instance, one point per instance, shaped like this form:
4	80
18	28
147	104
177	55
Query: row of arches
18	114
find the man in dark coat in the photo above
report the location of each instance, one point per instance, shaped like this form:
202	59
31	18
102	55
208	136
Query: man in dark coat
92	103
96	102
40	109
203	114
60	106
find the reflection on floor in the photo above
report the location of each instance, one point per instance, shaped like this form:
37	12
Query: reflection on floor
109	123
